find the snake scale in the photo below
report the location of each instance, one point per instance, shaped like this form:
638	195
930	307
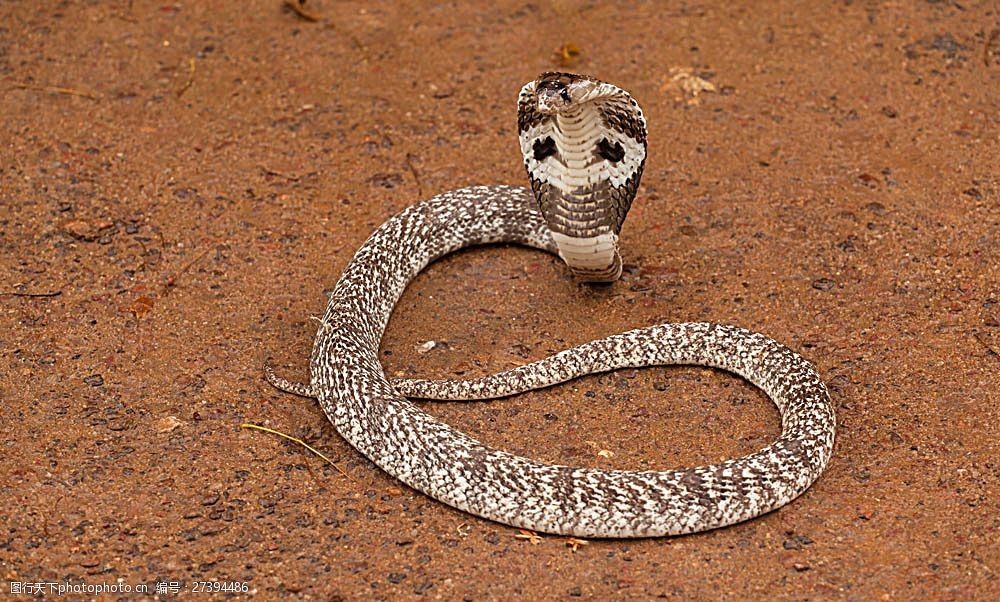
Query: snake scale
584	147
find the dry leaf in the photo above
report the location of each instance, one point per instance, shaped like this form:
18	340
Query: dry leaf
529	536
141	306
168	423
566	53
574	543
684	84
81	230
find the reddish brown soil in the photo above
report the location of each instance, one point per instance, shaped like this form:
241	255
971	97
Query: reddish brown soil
182	211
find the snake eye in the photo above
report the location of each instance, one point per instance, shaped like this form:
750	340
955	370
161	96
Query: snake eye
612	153
564	94
544	148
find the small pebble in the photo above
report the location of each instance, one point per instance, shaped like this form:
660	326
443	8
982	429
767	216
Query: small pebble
823	284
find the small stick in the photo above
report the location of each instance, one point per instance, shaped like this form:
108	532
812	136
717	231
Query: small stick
365	59
361	48
416	176
574	544
986	343
57	90
17	294
142	258
988	50
247	425
172	281
274	172
190	79
528	536
298	9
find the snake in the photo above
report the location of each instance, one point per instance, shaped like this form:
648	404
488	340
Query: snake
584	145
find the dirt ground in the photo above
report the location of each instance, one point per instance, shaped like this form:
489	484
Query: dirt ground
181	182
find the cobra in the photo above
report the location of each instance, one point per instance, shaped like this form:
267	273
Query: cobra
584	146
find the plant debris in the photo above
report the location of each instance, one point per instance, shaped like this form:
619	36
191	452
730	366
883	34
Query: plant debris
190	78
298	7
274	172
141	306
567	53
58	90
19	294
247	425
686	85
528	536
416	176
990	43
574	544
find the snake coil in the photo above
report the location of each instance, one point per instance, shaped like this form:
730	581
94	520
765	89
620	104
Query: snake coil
584	147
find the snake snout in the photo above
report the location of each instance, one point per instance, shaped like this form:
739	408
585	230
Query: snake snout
558	92
554	99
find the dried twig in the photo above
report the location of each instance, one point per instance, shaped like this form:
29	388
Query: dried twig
17	294
297	7
190	79
988	49
172	280
58	90
574	544
365	59
987	343
247	425
416	176
274	172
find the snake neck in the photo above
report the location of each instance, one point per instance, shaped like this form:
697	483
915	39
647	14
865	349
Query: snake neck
582	221
584	160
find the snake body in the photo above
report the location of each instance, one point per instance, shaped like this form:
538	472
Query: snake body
580	223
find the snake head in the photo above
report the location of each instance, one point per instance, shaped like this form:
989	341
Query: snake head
557	92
